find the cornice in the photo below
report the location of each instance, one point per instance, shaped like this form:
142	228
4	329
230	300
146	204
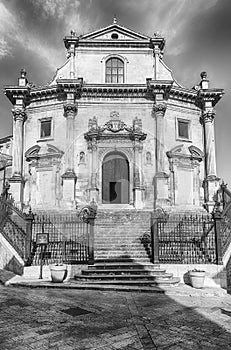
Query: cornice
146	91
183	94
115	90
17	92
212	95
118	43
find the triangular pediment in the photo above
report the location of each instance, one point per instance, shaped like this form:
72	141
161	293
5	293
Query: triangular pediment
114	32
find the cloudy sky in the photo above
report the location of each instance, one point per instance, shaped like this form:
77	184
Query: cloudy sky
197	32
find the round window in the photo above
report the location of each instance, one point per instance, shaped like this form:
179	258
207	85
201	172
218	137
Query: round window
114	36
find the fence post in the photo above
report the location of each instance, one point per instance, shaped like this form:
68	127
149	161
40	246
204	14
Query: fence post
154	239
29	222
91	222
217	216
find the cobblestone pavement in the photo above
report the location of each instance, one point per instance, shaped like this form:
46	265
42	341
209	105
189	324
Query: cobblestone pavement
73	319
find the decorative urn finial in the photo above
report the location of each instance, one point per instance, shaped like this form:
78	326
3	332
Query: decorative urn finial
114	20
204	75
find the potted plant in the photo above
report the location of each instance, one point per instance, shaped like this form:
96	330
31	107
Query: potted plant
197	278
58	272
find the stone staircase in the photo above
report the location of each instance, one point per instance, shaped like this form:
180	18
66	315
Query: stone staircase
121	258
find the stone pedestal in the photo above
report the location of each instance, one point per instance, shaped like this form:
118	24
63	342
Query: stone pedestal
16	187
138	198
94	194
161	189
211	185
69	181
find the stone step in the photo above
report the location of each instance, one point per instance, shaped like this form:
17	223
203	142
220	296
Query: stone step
120	255
125	265
155	289
125	277
126	272
119	249
120	259
141	282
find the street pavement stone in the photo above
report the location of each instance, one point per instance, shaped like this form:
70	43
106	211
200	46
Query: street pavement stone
62	319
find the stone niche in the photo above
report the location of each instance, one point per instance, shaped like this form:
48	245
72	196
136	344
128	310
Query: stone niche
184	164
43	185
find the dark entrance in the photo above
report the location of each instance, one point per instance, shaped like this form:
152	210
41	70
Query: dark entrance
115	179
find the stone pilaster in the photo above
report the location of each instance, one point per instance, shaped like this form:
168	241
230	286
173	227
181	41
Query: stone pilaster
137	174
161	178
16	181
93	178
69	177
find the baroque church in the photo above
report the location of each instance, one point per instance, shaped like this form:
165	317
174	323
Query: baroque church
113	126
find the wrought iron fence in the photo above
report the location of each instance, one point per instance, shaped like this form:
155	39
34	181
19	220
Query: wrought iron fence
69	239
15	226
183	239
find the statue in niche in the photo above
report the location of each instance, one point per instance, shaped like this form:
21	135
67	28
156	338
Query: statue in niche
148	158
82	157
32	184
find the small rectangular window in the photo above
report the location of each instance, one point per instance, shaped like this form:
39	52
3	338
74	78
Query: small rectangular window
45	128
183	129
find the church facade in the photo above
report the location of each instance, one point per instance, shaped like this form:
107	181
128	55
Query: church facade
113	126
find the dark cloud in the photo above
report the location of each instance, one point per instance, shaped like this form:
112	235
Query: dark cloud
197	33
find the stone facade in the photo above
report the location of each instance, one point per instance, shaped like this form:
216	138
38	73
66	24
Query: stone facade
113	125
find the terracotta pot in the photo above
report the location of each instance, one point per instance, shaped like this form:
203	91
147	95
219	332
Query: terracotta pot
58	273
197	278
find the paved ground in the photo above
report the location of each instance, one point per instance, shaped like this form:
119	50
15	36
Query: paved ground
67	319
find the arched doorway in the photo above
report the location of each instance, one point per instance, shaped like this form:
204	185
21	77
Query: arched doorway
115	179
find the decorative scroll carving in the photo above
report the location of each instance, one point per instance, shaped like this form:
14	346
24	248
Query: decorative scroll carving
70	109
159	108
19	114
207	117
115	126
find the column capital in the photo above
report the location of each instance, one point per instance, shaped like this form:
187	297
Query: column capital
19	114
70	109
207	117
160	108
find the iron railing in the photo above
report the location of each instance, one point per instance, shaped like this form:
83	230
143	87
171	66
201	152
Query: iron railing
71	238
15	226
183	239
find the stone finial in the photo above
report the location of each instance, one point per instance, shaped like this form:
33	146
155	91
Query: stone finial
157	34
73	33
23	73
115	20
22	80
204	82
204	75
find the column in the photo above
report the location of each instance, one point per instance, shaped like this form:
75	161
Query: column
137	173
70	110
93	190
207	120
211	180
159	110
69	177
161	178
16	180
